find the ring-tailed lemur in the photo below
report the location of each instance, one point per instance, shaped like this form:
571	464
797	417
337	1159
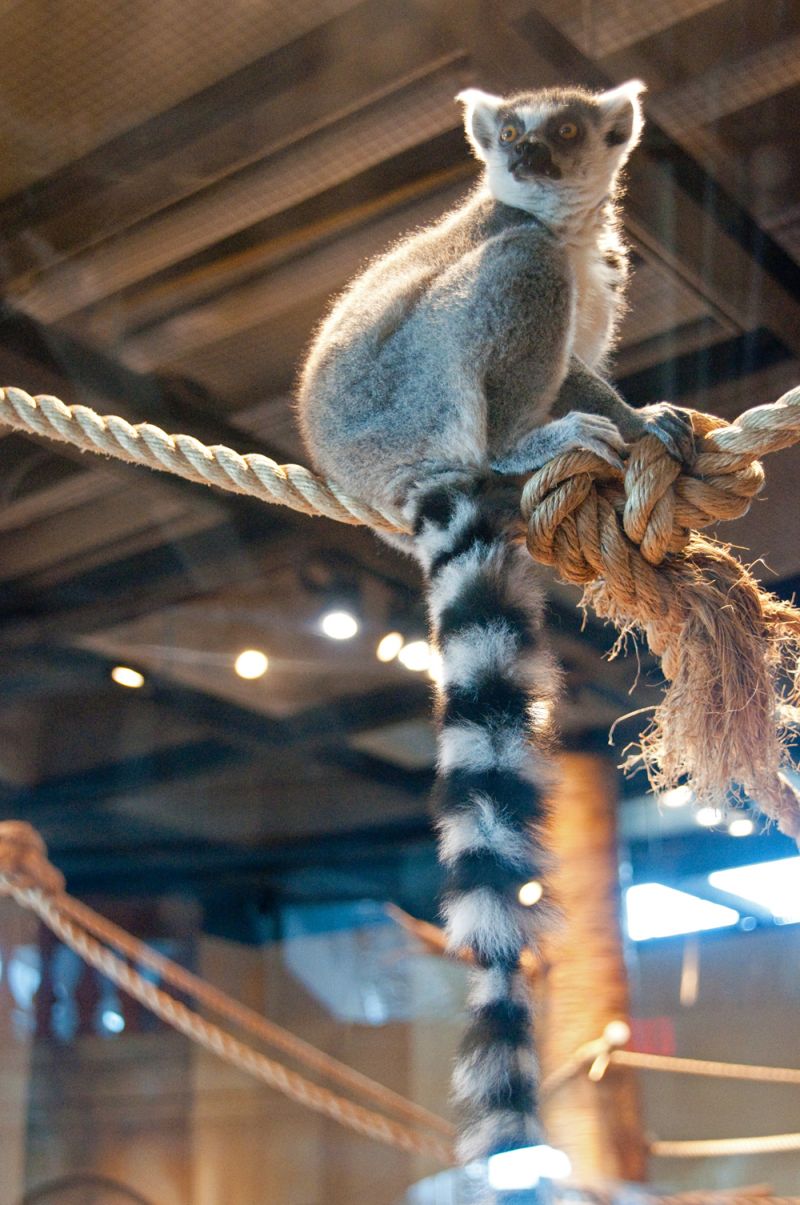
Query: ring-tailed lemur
468	352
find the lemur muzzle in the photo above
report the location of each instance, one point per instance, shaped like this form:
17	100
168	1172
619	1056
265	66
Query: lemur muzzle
534	156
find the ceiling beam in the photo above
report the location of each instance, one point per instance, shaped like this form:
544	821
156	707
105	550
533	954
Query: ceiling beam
360	139
282	96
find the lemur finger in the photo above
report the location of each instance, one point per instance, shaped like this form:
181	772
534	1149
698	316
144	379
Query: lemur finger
598	427
674	429
602	449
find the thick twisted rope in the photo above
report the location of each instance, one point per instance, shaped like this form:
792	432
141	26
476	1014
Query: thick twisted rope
254	475
28	877
728	648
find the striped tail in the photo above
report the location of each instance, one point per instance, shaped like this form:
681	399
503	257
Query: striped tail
486	613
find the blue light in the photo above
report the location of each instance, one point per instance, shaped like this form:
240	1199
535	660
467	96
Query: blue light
526	1167
653	910
112	1021
774	886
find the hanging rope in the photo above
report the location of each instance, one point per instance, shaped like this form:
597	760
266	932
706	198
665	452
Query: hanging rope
597	1056
729	650
28	877
705	1148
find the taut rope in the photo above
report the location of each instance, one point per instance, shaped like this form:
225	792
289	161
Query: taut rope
28	877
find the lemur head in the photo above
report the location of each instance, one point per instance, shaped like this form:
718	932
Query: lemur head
554	153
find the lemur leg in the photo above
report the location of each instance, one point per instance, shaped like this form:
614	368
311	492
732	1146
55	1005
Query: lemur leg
589	413
583	390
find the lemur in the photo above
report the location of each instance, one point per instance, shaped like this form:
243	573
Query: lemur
468	354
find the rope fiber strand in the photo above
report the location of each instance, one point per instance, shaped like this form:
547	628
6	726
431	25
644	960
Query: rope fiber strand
730	651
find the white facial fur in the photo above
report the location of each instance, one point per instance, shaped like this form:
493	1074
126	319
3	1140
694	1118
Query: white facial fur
588	173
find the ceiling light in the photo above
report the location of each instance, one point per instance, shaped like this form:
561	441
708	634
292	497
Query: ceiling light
339	625
742	826
112	1021
251	663
524	1168
708	817
436	667
530	893
416	656
678	797
123	675
653	910
389	646
771	885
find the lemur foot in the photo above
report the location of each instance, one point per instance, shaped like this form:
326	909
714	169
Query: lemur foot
594	432
673	427
574	431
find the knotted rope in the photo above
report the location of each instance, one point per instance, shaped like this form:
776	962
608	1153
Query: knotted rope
729	649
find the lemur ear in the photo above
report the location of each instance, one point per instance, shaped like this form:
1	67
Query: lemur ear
480	113
623	113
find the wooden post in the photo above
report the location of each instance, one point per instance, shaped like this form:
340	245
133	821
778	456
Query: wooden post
597	1124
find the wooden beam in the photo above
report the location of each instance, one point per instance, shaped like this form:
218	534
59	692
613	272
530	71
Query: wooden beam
616	25
404	118
280	97
324	269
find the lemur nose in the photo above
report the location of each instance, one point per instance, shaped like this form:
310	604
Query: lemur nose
535	155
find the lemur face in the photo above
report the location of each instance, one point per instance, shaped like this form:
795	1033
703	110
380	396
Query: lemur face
553	148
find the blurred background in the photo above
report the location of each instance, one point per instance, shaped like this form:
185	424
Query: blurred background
183	186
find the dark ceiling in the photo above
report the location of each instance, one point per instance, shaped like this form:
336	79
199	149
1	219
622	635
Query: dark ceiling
179	197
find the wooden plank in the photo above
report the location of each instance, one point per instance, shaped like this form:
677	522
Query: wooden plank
323	270
327	215
106	91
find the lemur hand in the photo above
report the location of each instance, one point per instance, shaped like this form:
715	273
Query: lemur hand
574	431
673	427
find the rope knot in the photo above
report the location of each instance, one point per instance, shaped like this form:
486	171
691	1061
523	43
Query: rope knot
576	505
23	860
729	650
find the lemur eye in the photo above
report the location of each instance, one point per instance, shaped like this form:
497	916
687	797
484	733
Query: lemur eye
509	132
568	131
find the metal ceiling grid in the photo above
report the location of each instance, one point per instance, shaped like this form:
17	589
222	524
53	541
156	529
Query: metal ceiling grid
77	73
603	27
405	119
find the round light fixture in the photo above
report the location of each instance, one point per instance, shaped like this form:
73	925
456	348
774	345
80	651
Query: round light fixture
678	797
123	675
389	646
339	625
708	817
251	663
416	656
530	893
